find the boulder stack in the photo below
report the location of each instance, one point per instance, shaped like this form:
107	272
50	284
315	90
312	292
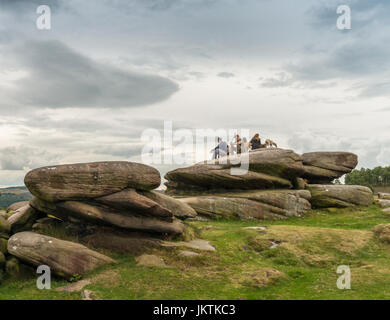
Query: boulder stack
117	194
108	205
278	184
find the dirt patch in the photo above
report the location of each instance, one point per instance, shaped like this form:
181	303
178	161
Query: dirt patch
310	245
382	232
259	278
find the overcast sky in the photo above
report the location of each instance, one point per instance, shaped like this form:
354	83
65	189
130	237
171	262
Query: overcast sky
107	70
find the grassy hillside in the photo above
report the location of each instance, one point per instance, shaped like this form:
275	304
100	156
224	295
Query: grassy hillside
11	195
302	266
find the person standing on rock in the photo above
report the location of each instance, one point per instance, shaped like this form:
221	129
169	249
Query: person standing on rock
255	143
221	150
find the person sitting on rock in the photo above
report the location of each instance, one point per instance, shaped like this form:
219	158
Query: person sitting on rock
255	142
221	150
237	144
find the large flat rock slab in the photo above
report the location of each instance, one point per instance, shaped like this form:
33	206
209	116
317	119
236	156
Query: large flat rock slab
65	258
268	169
149	203
340	196
132	201
324	167
176	207
98	214
90	180
271	204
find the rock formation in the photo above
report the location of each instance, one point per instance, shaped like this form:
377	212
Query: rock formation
324	167
342	196
270	204
66	258
271	188
108	205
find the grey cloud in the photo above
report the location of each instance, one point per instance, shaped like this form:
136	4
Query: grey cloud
281	79
226	75
23	6
59	77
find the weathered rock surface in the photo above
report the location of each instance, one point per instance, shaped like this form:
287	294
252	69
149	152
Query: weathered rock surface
23	219
99	214
132	201
188	254
271	204
384	203
177	207
90	180
17	205
385	196
63	257
324	167
150	260
268	169
340	196
197	244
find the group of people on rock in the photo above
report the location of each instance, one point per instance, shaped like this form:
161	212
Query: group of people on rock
237	146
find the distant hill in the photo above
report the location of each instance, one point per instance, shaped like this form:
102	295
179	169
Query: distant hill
11	195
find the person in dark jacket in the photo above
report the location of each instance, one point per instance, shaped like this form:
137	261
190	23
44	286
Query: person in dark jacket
255	143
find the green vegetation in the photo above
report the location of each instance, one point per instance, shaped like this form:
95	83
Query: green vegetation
302	266
377	178
11	195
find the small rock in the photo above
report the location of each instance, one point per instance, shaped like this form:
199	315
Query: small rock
256	228
188	254
87	295
150	260
387	210
74	287
274	245
198	244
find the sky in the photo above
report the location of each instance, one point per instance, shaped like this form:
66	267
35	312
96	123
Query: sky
106	71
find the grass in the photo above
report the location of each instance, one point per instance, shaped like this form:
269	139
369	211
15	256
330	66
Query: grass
303	266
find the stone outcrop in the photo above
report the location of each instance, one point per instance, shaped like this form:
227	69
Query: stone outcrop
267	169
115	194
384	203
340	196
65	258
269	189
324	167
109	205
98	214
270	204
384	196
89	180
